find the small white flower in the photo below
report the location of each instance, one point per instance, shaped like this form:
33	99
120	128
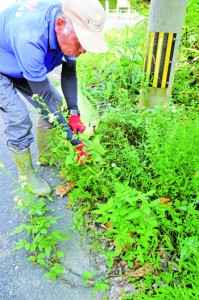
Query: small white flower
20	202
16	198
173	109
51	118
113	165
192	38
102	170
38	163
23	184
34	96
22	178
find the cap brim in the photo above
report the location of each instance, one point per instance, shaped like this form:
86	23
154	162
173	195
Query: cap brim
91	41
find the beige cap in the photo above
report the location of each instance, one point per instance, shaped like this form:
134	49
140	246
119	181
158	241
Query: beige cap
87	17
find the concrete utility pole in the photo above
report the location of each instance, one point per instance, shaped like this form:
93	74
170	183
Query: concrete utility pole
163	38
107	8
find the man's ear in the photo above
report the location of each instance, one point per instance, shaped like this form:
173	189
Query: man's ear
59	24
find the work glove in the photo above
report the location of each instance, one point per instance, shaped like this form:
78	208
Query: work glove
75	123
82	152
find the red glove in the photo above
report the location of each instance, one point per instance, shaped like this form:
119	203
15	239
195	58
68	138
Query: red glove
76	124
81	153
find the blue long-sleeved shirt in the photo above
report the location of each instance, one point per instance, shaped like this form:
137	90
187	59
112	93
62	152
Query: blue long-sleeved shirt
28	44
29	49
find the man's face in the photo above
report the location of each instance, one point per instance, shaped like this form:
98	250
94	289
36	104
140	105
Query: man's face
68	43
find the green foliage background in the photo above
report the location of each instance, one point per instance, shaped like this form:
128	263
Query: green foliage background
141	156
134	3
143	180
142	183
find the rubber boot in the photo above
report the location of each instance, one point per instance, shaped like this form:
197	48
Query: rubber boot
44	134
25	168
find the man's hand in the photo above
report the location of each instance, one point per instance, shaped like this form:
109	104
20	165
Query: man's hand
82	152
75	123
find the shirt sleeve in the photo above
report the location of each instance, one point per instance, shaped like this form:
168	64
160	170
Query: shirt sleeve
69	83
42	88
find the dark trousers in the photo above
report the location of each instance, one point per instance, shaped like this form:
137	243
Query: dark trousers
14	111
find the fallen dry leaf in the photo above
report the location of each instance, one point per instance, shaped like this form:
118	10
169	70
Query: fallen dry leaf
123	263
92	227
141	272
103	226
136	264
164	200
68	204
108	240
157	272
91	282
64	190
109	225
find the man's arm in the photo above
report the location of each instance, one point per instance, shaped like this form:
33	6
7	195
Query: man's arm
69	88
69	84
42	88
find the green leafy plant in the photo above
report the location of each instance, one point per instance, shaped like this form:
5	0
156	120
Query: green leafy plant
41	242
142	185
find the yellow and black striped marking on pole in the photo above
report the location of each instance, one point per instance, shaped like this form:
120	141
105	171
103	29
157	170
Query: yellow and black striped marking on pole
158	59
